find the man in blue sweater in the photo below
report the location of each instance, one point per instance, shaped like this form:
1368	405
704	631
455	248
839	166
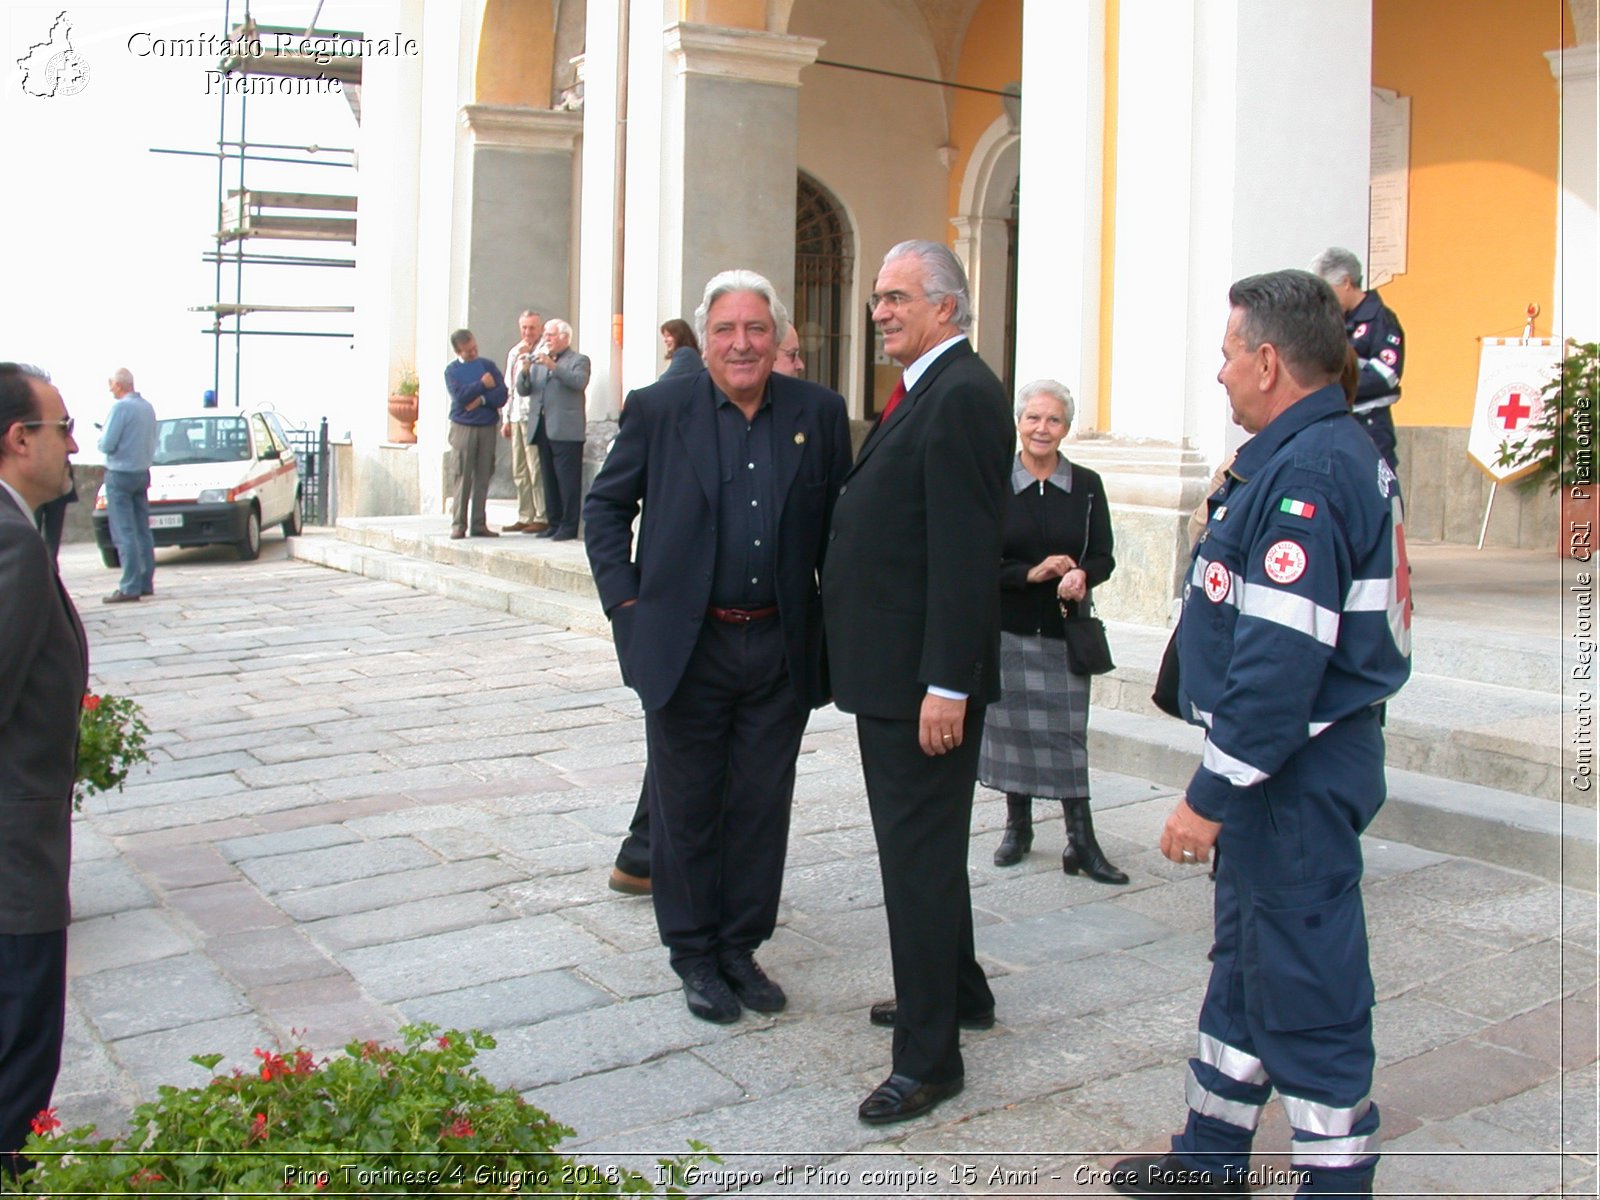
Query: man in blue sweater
129	444
477	394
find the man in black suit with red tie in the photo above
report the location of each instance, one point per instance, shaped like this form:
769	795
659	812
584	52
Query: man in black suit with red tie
911	599
44	665
717	622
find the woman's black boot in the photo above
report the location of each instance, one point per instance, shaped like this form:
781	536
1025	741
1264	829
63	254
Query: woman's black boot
1018	838
1083	852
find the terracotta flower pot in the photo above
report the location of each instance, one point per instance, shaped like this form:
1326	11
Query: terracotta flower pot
403	420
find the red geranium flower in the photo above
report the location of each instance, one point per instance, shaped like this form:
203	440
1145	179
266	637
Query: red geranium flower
45	1122
459	1128
258	1128
91	701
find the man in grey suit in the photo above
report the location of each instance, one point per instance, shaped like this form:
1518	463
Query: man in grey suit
44	667
554	384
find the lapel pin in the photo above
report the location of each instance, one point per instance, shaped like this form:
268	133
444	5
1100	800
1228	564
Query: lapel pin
799	439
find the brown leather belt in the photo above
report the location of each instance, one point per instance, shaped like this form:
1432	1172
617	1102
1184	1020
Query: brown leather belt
741	616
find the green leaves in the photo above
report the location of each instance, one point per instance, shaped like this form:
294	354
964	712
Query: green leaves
378	1120
111	738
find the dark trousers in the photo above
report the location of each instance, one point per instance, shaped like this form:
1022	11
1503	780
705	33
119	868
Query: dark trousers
1379	424
472	457
561	464
634	855
922	819
33	1006
1289	1004
722	755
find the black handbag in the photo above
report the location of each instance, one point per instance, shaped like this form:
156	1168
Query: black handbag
1165	697
1088	651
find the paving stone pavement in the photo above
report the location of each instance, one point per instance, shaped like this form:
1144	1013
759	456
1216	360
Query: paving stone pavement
372	805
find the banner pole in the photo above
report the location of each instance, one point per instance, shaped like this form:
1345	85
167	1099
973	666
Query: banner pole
1483	530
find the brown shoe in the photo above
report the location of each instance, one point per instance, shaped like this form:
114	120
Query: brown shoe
519	527
628	885
457	533
133	598
534	527
484	532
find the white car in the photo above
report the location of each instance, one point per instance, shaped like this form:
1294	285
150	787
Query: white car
217	477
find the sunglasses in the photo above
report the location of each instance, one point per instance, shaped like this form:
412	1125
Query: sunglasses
66	425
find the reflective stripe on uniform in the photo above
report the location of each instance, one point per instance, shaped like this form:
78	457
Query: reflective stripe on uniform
1299	613
1335	1152
1384	370
1208	1104
1325	1120
1235	771
1369	595
1231	1061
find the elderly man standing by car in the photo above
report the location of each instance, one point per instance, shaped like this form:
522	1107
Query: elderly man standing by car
129	444
554	383
44	664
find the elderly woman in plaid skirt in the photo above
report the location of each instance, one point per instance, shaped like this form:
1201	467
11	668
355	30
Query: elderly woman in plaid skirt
1057	546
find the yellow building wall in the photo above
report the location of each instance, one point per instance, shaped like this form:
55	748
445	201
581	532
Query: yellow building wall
515	53
1485	139
991	57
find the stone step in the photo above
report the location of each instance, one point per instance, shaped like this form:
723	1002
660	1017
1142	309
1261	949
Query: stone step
1453	727
1549	839
513	557
556	607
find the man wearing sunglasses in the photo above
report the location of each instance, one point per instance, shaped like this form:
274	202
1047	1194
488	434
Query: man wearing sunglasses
129	444
44	666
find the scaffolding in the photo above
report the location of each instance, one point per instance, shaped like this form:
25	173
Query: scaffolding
248	216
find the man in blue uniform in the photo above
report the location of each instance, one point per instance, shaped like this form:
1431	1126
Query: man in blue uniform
1379	342
1296	627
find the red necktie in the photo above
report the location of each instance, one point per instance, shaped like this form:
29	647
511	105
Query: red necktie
895	397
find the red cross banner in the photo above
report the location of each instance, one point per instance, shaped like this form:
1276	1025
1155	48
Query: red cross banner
1511	374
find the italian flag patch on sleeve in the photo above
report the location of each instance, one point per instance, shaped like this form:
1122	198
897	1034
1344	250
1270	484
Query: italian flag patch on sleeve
1297	508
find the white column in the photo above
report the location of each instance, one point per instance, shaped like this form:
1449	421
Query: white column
388	190
601	206
655	136
444	225
1279	167
1058	271
1577	305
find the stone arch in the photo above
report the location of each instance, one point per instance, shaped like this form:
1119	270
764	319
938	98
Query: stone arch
824	275
984	230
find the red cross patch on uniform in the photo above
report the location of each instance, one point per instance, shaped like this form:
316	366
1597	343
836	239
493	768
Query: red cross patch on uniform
1218	582
1360	329
1285	561
1388	356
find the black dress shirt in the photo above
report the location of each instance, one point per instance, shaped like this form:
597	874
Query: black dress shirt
747	509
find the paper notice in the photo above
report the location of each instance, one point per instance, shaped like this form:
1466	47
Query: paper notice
1391	186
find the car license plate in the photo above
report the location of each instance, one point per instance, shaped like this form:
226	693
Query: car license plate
166	520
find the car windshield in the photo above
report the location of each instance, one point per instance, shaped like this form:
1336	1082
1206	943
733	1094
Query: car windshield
183	441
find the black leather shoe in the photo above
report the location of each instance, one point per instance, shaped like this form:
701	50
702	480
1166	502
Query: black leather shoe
708	996
121	598
885	1011
1167	1175
900	1097
750	983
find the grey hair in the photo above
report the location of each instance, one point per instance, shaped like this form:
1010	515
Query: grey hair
123	377
557	325
1047	387
1298	313
1335	264
941	276
739	280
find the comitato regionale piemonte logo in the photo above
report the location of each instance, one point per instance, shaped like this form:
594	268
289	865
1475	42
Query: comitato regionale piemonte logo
53	68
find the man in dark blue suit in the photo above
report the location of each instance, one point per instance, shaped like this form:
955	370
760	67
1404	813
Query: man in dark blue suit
44	663
718	626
